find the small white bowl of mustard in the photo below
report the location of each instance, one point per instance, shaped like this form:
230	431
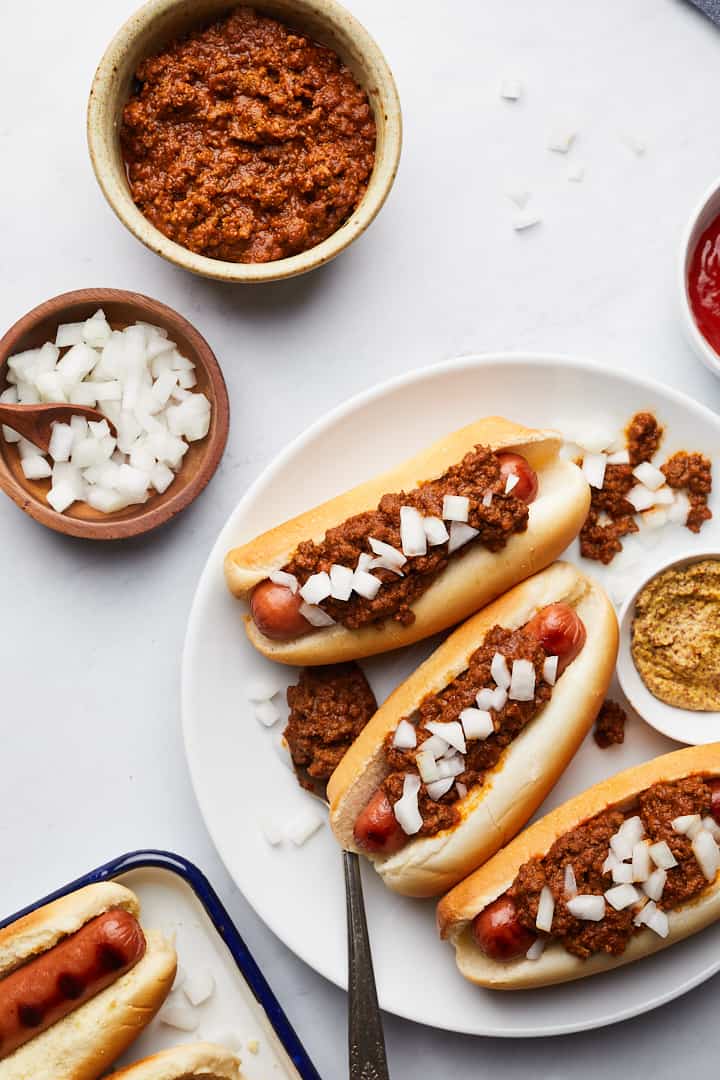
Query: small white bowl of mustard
669	659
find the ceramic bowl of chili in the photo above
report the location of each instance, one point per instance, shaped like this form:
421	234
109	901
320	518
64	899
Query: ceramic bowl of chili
699	279
122	308
235	178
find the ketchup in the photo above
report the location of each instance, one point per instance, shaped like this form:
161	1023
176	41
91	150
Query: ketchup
704	284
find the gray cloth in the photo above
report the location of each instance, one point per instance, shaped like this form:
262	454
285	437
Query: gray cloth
710	7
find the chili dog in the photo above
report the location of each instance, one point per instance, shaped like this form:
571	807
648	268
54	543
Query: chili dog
195	1061
413	551
462	754
79	980
625	869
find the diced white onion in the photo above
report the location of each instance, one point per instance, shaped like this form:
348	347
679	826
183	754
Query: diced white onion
435	746
281	577
304	824
707	854
316	588
678	512
456	508
619	457
654	519
427	767
487	499
364	561
640	497
594	469
550	670
522	681
405	737
341	581
35	467
199	987
180	1016
649	475
500	697
632	829
500	671
485	698
610	863
438	788
662	855
511	481
461	789
536	949
61	442
315	615
686	822
60	497
451	732
622	896
453	766
710	825
379	563
622	873
546	910
267	713
460	534
406	810
477	723
366	585
665	496
588	907
412	531
435	531
387	552
569	882
655	919
641	867
654	885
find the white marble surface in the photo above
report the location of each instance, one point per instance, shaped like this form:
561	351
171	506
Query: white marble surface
92	756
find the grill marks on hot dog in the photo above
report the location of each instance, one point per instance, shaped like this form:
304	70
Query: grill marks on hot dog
53	984
556	630
276	610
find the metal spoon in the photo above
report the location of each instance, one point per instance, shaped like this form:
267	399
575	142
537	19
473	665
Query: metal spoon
366	1040
34	422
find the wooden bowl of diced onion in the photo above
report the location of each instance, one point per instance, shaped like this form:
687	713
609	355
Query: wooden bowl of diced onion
186	370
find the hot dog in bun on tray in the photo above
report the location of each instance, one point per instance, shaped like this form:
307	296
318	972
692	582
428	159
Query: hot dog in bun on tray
617	873
79	981
460	756
413	551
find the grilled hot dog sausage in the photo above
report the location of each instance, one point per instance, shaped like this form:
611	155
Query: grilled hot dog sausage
499	932
53	984
275	610
515	465
560	631
714	786
377	829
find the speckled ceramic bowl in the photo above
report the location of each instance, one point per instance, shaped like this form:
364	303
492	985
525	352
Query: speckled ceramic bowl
157	23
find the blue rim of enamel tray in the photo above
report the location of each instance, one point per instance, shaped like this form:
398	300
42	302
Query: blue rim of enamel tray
218	914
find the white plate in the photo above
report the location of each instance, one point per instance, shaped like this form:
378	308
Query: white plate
239	780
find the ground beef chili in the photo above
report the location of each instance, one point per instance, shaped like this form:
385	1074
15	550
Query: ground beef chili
610	725
460	694
586	849
611	516
691	473
478	473
329	707
246	141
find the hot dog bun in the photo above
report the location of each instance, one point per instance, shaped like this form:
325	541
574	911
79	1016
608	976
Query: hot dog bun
458	909
472	579
85	1043
196	1061
492	813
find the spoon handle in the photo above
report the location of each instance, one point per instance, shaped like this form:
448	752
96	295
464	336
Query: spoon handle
366	1041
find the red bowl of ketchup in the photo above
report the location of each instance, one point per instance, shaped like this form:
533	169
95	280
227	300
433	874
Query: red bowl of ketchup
700	279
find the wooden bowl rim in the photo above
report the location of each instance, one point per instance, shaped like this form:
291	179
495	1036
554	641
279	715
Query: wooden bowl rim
145	519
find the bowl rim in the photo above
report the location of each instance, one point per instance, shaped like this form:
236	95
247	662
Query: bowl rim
147	518
702	347
381	181
682	725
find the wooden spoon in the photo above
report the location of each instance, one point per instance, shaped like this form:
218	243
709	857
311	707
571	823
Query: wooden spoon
34	422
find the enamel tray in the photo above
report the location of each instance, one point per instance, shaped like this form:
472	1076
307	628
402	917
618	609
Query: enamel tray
177	898
239	778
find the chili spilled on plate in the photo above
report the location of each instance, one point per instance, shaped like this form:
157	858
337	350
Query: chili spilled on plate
246	141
